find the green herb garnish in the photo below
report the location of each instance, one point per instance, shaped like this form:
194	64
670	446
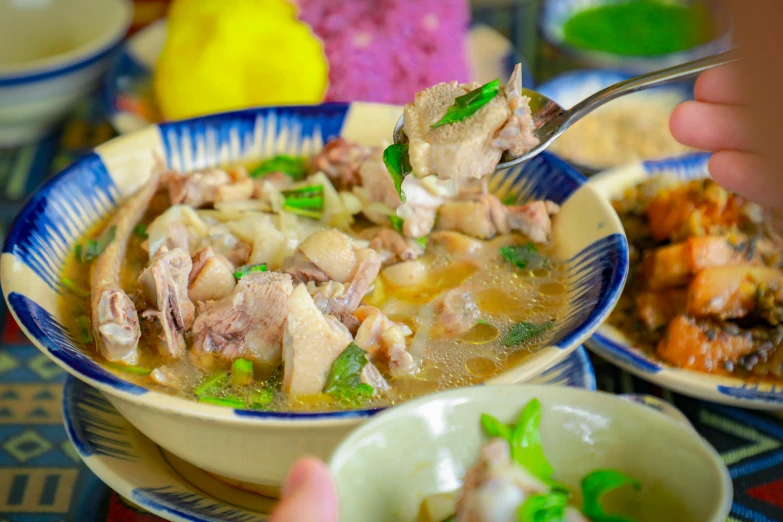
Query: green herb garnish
422	241
398	163
228	402
344	380
305	201
526	449
291	165
138	370
523	331
246	269
544	508
241	372
396	223
73	287
260	399
94	247
84	329
597	484
211	382
522	256
509	200
140	230
494	427
469	104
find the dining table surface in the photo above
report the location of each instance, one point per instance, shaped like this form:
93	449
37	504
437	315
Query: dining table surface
42	478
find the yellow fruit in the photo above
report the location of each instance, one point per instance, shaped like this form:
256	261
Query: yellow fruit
230	54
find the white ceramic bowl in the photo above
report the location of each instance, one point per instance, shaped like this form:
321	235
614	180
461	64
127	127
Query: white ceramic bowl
253	446
53	52
611	344
386	467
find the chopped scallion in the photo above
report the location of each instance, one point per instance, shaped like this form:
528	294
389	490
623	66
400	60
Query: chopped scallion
94	247
242	372
140	230
260	399
211	382
470	103
524	256
396	223
302	212
291	165
246	269
228	402
422	241
73	287
84	329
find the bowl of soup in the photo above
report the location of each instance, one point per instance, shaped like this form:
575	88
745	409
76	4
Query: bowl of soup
242	288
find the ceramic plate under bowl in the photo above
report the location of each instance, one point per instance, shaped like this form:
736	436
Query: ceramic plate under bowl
612	345
156	480
128	100
587	236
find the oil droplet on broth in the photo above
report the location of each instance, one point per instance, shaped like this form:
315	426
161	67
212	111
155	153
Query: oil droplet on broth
496	301
552	288
481	333
516	357
481	366
540	272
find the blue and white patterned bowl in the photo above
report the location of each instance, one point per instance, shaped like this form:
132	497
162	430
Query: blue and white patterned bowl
612	345
587	232
556	13
167	486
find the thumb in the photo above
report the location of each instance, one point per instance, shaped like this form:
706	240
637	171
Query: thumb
309	494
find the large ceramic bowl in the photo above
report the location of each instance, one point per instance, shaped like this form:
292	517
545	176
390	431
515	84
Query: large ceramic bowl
53	53
612	345
252	446
386	467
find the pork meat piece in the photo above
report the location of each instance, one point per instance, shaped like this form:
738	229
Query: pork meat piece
341	162
302	270
469	217
473	147
391	245
384	341
248	323
423	198
533	219
311	344
370	375
336	301
376	187
196	189
211	278
455	313
164	284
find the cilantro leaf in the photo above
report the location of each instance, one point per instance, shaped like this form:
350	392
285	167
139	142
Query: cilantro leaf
397	162
525	442
291	165
83	322
597	484
523	256
523	331
140	230
468	104
544	508
344	380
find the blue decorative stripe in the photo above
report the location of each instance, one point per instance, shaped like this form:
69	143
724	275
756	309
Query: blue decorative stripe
746	419
595	280
93	425
232	136
738	509
688	166
38	76
58	214
544	177
756	465
752	392
190	506
62	345
575	370
623	353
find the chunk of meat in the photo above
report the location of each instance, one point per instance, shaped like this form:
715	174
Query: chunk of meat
331	251
164	284
178	227
302	270
729	292
495	487
456	313
533	219
469	217
341	161
377	187
370	375
673	265
423	198
115	321
248	323
704	348
312	342
470	148
384	341
656	309
198	188
334	302
457	243
211	278
269	187
409	273
236	251
166	376
391	245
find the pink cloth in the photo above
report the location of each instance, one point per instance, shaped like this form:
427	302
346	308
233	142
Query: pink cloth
387	50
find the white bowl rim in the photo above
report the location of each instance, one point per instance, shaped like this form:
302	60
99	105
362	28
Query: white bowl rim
343	451
73	59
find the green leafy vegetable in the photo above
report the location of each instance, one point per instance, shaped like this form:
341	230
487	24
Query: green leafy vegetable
140	230
523	331
597	484
544	508
344	380
469	104
494	427
242	372
312	214
481	321
211	383
94	247
260	399
73	287
308	191
246	269
525	442
228	402
305	201
138	370
291	165
522	256
84	329
396	223
398	163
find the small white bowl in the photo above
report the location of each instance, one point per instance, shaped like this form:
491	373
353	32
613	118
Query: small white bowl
387	466
53	53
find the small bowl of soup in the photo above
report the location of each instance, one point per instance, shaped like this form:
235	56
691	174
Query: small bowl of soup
243	289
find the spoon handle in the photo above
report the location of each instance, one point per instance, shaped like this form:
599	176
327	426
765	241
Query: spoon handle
646	81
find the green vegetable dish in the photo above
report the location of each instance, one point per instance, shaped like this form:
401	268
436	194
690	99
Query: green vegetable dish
312	284
513	481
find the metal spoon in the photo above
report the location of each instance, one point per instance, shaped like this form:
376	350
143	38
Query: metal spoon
551	120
